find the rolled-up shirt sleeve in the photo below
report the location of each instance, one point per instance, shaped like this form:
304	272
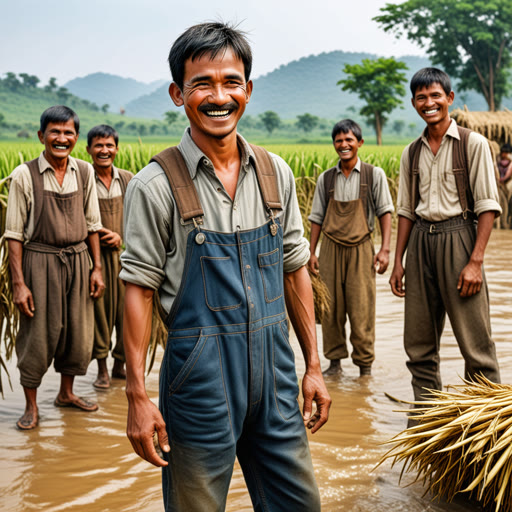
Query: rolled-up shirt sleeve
92	208
404	196
319	202
482	176
18	204
147	235
295	246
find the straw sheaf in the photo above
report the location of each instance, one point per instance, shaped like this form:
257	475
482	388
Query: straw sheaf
462	443
496	126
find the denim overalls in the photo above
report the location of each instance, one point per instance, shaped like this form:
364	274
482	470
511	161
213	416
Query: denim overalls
228	386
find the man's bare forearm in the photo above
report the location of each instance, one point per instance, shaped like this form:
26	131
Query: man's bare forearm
300	306
138	311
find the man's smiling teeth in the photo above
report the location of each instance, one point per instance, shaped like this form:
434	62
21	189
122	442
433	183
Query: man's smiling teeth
433	111
345	150
217	113
60	147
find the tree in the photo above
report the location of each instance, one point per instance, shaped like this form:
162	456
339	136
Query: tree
105	107
11	82
141	129
29	81
379	84
52	85
472	41
171	117
63	94
398	126
307	122
270	120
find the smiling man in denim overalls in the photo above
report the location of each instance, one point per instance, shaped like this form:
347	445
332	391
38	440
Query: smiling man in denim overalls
214	226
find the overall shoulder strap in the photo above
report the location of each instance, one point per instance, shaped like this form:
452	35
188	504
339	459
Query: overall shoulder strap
460	167
83	172
329	181
267	178
366	184
414	182
38	188
125	177
182	186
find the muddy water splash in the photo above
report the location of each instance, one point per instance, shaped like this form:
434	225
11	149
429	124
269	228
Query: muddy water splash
83	462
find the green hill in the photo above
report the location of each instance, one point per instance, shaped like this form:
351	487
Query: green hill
308	85
103	88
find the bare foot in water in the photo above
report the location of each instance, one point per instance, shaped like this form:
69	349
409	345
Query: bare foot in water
102	381
29	420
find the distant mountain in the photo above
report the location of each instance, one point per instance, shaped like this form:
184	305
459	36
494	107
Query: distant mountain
101	88
307	85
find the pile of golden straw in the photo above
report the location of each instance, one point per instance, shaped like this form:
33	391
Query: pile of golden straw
462	443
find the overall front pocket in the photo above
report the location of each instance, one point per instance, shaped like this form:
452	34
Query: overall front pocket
271	274
222	283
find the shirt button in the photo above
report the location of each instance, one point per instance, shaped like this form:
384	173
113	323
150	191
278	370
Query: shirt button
219	189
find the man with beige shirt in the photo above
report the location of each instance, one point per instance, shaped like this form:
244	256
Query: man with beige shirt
447	203
52	212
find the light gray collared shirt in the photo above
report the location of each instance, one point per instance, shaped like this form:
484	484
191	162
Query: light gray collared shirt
156	240
347	189
19	223
439	199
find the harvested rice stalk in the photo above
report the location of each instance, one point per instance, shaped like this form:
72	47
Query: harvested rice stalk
321	296
462	443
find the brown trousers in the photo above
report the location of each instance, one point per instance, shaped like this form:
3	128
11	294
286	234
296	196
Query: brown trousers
433	265
349	275
62	326
108	309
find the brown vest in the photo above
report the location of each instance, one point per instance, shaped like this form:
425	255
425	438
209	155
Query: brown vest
460	167
59	219
112	209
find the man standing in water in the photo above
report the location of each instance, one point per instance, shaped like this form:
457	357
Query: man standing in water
216	248
447	203
111	183
347	199
52	211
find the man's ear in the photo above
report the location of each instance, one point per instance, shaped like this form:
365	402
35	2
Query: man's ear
176	94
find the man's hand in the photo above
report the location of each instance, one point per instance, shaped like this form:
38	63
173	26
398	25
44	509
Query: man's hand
396	280
144	419
314	390
470	279
381	261
111	238
313	265
96	284
23	299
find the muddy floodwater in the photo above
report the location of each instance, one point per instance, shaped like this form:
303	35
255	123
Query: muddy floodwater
83	462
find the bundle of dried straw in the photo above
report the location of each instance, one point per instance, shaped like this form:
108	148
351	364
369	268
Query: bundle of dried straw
462	443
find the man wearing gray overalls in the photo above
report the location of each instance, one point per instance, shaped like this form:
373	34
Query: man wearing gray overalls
214	226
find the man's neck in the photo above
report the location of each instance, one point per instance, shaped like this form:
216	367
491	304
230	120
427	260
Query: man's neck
104	172
347	166
59	164
436	132
222	152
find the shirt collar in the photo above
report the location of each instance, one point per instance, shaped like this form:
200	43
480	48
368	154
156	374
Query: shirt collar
44	165
357	167
194	157
452	132
115	174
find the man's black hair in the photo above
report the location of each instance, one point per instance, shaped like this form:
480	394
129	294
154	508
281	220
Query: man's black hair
427	76
58	114
102	130
506	148
345	126
212	39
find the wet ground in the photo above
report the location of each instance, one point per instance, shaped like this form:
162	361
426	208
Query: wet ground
83	462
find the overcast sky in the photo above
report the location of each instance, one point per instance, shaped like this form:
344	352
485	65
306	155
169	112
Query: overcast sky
132	38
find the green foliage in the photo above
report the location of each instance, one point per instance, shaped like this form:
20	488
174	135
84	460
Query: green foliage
270	120
307	122
470	40
379	83
105	107
171	117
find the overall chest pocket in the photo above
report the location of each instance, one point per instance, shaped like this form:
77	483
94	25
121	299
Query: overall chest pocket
222	282
271	270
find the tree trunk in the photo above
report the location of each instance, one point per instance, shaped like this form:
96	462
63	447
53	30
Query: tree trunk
378	128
